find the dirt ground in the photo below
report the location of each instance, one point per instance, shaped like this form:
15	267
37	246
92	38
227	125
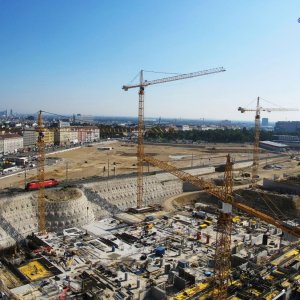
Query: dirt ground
64	194
90	161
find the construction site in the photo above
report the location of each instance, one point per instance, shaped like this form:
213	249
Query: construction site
131	220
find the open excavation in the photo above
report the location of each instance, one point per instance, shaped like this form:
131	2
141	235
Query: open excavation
97	246
202	221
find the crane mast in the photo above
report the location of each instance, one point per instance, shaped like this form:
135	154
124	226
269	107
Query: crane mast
256	143
141	127
140	146
223	238
41	174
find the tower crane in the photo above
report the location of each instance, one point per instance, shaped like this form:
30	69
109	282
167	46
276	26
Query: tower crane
41	171
257	110
140	147
41	174
223	241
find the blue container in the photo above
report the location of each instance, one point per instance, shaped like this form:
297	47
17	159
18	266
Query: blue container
159	251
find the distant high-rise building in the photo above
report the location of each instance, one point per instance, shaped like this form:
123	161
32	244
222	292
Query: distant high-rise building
264	122
3	114
287	126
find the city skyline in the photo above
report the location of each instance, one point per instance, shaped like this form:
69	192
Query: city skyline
8	113
74	57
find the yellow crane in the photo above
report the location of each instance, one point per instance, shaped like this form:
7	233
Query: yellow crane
140	147
223	240
41	171
257	110
41	174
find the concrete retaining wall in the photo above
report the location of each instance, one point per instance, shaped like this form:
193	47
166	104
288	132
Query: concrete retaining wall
64	214
122	192
19	217
278	186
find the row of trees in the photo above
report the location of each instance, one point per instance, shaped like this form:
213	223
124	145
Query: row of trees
212	136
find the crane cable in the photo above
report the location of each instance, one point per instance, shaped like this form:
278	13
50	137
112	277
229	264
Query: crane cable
252	101
275	206
243	198
157	72
67	117
267	204
149	71
271	103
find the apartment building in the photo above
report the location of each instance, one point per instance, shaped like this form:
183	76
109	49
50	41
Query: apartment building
76	134
48	137
11	143
1	146
29	138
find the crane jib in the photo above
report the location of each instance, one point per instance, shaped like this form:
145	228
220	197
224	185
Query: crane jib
174	78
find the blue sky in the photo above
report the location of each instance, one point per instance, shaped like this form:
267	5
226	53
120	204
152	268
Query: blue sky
73	56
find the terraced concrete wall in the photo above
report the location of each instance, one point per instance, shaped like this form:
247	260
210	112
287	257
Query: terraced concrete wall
122	192
18	218
64	214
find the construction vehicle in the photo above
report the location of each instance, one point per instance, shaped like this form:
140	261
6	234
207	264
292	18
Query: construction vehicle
203	226
141	86
149	226
257	110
